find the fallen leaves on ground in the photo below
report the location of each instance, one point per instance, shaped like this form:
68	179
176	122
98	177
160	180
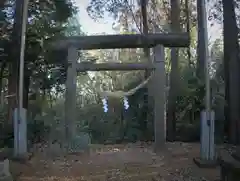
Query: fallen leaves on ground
133	162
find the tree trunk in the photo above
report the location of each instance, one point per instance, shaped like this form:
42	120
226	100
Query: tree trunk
187	12
201	44
3	66
12	89
174	75
232	72
146	98
26	89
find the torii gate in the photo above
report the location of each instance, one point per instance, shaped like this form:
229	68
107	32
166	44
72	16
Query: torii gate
158	41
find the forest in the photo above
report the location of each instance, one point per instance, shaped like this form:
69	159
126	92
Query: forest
45	71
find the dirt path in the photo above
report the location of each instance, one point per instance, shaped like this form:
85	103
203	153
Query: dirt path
119	162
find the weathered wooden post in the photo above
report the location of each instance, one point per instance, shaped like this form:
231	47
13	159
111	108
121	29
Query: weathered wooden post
70	99
159	84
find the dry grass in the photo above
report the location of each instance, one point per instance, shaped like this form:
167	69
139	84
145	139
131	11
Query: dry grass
118	162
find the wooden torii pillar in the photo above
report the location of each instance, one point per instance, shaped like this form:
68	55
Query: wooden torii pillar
70	95
158	41
158	90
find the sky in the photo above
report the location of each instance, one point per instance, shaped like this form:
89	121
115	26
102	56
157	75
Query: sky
88	24
105	26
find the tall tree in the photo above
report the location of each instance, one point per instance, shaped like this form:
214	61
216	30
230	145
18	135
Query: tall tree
174	75
201	44
231	69
146	50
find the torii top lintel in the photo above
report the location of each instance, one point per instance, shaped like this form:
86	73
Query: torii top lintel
123	41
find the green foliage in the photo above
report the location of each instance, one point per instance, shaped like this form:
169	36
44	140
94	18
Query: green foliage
73	27
47	22
47	25
191	94
98	8
6	131
37	131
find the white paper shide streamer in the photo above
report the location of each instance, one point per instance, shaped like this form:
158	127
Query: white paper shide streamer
105	104
125	103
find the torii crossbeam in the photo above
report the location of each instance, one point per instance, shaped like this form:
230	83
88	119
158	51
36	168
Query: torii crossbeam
123	41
